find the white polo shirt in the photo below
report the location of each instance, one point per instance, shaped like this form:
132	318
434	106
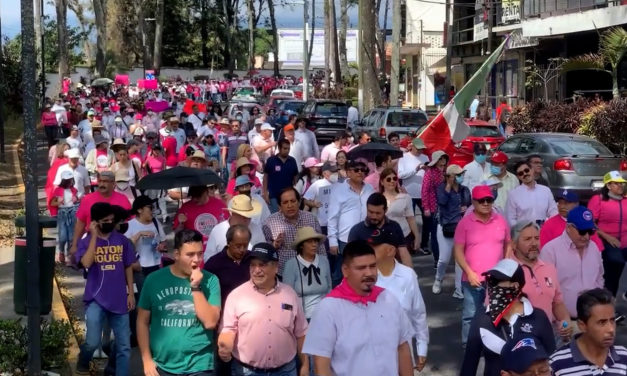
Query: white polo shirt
217	238
360	340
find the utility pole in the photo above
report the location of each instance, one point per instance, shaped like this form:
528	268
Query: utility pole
29	83
305	51
2	155
449	50
396	58
43	55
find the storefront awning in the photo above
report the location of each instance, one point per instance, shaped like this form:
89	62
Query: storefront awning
410	49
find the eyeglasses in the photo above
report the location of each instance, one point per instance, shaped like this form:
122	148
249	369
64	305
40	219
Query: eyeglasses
358	170
588	232
523	172
486	200
391	179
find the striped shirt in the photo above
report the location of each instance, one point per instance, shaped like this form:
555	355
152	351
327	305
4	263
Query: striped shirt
569	361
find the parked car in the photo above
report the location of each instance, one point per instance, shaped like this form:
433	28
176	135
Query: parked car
282	93
481	132
325	117
232	107
381	121
570	161
273	102
286	108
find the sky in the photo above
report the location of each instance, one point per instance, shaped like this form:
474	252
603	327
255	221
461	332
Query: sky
10	13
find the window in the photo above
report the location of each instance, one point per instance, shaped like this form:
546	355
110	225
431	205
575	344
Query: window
406	119
528	145
374	119
572	147
484	131
331	109
510	145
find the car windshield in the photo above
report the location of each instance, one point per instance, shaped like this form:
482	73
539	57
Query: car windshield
484	131
406	119
294	106
568	146
331	109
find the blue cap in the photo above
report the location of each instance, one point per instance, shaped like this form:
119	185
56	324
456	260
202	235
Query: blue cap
568	196
518	354
264	252
241	180
581	218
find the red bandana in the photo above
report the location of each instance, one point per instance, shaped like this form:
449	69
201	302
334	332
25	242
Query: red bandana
344	291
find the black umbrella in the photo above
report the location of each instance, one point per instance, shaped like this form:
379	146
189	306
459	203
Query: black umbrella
179	177
370	150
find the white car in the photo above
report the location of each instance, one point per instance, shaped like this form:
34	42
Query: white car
282	93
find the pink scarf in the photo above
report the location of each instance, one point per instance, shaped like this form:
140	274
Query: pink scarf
344	291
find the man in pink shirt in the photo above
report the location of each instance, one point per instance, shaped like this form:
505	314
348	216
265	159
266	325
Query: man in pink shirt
576	258
105	193
382	161
555	226
263	326
542	286
481	240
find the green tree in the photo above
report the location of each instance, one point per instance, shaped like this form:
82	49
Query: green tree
612	49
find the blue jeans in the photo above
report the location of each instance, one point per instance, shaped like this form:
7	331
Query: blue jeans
66	219
336	264
473	302
95	317
274	205
238	369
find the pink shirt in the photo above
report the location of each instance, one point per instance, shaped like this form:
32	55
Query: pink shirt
373	179
156	164
203	218
542	286
484	242
266	325
84	210
555	226
575	273
608	217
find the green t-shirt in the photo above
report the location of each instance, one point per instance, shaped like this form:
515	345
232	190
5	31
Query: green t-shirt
178	341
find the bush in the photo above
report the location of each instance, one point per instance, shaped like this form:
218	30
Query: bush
350	92
610	125
55	343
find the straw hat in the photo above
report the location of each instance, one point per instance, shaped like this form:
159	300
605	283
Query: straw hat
306	233
243	161
199	154
118	144
244	206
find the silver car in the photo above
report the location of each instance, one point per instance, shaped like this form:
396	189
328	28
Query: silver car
381	121
570	161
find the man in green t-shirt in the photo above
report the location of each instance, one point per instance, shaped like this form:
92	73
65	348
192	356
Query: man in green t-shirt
178	310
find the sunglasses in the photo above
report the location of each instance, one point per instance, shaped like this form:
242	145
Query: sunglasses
486	200
523	172
586	232
391	179
358	170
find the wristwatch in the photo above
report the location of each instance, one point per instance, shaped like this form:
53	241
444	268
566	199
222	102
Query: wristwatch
196	288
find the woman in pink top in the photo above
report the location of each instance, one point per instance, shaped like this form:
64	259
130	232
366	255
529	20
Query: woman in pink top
609	210
243	167
434	176
51	126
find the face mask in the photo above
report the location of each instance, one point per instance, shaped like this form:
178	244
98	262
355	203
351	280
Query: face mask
495	170
106	228
500	299
123	227
459	179
333	178
480	158
351	140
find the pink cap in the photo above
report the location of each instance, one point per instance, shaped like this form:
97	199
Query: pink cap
312	162
481	191
138	117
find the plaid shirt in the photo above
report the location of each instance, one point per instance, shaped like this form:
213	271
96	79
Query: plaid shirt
277	223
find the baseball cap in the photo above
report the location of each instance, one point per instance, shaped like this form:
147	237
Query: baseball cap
266	127
418	143
518	354
454	170
288	127
72	153
506	270
613	177
499	157
174	119
138	131
329	167
118	119
141	202
264	252
312	162
139	117
258	121
568	196
91	113
98	139
242	180
481	191
65	175
581	218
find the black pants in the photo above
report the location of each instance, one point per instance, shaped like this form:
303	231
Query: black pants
424	241
613	265
51	134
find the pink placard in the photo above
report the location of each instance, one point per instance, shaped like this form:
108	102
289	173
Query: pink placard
157	106
151	84
122	79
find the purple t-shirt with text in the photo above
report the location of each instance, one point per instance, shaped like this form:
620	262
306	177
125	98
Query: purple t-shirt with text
106	279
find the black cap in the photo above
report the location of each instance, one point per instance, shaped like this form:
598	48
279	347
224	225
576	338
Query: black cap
518	354
264	252
141	202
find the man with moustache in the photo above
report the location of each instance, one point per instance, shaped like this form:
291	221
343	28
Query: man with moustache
358	320
542	287
593	351
263	326
529	200
179	308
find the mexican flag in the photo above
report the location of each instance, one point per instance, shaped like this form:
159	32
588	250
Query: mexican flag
449	126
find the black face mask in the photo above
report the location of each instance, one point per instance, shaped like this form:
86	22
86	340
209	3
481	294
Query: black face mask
123	227
107	228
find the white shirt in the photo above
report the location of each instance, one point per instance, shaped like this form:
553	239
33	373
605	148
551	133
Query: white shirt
529	204
360	340
204	131
329	152
353	116
297	151
320	191
217	238
179	134
308	139
346	209
265	210
81	178
75	143
403	284
146	246
412	179
475	174
196	120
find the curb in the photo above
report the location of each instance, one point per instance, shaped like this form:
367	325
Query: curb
59	313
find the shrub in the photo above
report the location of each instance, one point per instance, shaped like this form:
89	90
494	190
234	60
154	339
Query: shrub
610	125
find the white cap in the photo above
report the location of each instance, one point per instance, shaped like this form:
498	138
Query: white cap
266	127
72	153
65	175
